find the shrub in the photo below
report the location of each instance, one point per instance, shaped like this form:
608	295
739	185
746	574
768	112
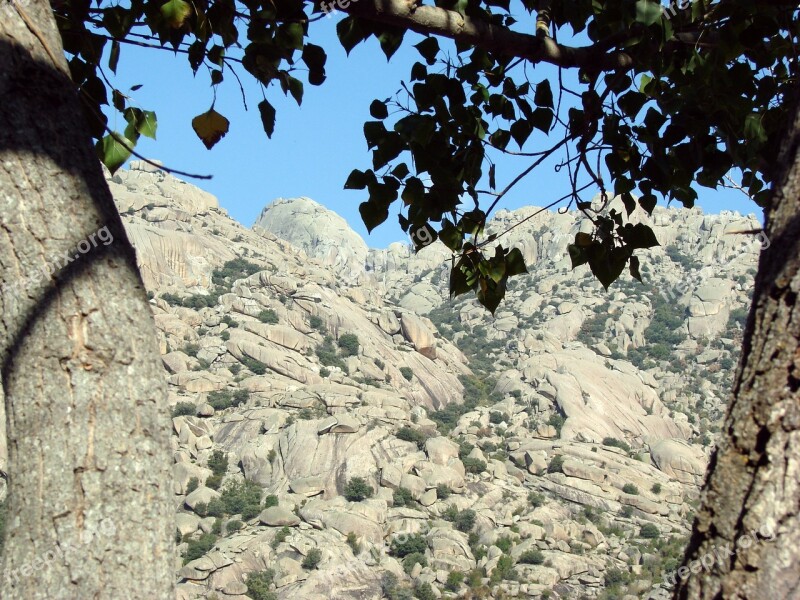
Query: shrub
614	442
357	489
218	462
536	499
182	409
268	316
242	498
229	321
256	366
405	544
656	489
531	557
504	542
424	591
409	434
312	559
349	344
443	491
505	564
629	488
234	525
193	484
352	541
556	464
191	350
614	577
473	465
495	417
225	335
270	501
327	355
454	580
557	421
412	559
258	585
649	531
280	537
407	373
199	547
315	322
627	511
402	497
379	363
324	372
465	520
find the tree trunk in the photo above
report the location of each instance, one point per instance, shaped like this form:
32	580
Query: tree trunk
91	513
746	538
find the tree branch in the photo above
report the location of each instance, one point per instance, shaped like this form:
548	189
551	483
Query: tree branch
433	20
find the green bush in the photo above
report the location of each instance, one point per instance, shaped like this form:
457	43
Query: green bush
424	591
495	417
324	372
192	485
627	511
407	373
557	421
649	531
465	520
242	498
315	322
268	316
199	547
312	559
403	545
256	366
629	488
614	442
222	399
504	542
270	501
409	434
191	350
280	537
258	585
656	489
357	489
218	462
184	409
412	559
402	497
238	268
443	491
233	525
352	541
349	344
536	499
327	355
556	464
454	580
531	557
473	465
505	565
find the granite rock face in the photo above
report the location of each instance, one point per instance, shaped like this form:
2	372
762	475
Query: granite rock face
549	436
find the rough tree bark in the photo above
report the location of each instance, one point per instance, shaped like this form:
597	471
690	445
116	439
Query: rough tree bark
90	512
746	538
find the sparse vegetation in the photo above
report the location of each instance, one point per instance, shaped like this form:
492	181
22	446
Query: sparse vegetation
357	489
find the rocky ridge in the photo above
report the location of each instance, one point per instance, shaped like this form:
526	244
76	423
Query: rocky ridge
343	430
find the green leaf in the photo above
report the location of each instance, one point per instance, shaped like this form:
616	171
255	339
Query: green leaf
544	95
378	110
175	12
754	129
451	236
515	263
113	150
648	12
148	124
390	40
357	180
113	58
350	33
459	280
491	293
634	268
607	266
428	48
267	112
542	119
373	214
639	236
210	127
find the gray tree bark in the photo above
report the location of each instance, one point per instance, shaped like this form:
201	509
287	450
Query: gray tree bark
746	538
90	512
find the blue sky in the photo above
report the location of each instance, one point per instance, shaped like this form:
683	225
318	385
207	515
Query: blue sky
315	146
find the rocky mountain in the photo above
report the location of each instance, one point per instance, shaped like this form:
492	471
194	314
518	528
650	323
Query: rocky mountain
342	429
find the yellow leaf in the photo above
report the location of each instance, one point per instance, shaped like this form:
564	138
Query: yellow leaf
210	127
175	12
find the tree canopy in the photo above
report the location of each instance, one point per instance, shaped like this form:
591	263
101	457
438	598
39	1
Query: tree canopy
641	101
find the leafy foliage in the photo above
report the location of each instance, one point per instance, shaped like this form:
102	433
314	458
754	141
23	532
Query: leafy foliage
184	409
349	344
268	316
258	585
357	489
403	545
